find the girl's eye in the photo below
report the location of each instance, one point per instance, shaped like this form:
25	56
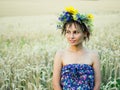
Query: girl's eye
67	31
76	32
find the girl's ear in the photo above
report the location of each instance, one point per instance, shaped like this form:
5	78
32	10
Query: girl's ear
85	34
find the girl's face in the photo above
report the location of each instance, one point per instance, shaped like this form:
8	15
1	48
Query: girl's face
74	34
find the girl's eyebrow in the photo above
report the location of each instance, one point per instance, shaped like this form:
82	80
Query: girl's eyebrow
67	30
73	30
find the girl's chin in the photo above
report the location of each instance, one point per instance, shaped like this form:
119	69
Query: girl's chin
73	44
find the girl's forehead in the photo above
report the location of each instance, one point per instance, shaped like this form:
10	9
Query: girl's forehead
73	27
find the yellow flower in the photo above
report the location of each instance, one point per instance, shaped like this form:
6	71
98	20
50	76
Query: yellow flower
90	16
71	10
74	17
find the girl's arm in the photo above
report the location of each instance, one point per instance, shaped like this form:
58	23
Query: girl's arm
56	71
96	66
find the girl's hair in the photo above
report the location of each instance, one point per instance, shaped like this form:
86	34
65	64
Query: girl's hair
84	28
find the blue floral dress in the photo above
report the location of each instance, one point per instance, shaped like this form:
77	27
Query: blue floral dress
77	77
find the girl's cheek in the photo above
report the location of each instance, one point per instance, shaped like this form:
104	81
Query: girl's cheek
67	36
79	35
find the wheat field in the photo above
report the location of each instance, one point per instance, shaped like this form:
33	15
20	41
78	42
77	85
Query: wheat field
28	43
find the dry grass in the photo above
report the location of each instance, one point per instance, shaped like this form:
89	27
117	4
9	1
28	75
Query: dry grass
28	45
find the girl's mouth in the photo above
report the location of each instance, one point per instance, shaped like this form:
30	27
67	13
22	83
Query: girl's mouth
72	41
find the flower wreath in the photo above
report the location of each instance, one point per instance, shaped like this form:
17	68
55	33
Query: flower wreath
72	14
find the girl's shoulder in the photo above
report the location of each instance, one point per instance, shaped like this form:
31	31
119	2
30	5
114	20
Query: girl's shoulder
94	55
92	52
60	52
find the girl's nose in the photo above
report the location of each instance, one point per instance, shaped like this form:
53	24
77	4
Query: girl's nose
72	36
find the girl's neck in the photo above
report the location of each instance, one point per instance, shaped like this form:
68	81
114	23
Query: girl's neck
77	48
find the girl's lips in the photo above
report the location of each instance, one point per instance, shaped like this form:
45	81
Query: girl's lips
72	41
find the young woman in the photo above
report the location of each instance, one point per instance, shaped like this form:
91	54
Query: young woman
76	67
